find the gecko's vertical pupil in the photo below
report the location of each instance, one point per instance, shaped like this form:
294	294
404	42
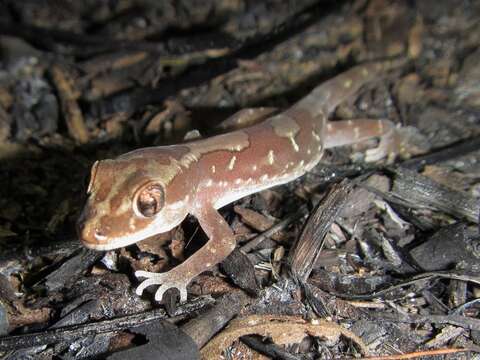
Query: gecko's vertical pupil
150	200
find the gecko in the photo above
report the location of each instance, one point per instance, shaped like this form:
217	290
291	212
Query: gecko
152	190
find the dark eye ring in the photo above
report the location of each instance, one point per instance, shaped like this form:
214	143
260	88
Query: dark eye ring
149	199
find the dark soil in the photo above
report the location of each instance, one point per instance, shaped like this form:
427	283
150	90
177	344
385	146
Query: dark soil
388	252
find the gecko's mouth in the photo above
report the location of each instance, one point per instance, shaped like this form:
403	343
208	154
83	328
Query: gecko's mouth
95	239
92	238
110	244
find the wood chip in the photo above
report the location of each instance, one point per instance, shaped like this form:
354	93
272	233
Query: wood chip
71	110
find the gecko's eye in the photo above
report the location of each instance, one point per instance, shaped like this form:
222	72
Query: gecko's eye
149	199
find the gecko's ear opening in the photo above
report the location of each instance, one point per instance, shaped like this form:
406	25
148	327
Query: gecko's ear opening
149	199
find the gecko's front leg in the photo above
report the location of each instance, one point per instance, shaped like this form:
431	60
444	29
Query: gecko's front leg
220	244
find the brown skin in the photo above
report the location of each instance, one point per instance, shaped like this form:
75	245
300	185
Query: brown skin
152	190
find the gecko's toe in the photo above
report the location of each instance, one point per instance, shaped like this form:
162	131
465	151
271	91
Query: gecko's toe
144	284
144	274
374	155
160	291
162	280
183	293
151	279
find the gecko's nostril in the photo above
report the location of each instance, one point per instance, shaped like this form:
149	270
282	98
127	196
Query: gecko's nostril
99	234
85	231
91	212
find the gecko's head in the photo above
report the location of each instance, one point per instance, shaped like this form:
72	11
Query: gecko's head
130	200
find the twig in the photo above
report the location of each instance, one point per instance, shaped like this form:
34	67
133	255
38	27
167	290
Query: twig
456	320
446	153
416	354
421	277
257	240
72	332
420	192
71	110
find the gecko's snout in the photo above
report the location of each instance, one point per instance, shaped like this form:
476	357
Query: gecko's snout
86	230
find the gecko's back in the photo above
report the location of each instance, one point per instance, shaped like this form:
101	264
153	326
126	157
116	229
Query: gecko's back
273	152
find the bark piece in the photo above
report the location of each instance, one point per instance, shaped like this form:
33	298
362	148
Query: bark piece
166	342
447	247
71	110
310	243
72	269
241	271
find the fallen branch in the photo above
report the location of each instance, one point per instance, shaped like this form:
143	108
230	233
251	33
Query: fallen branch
306	250
416	354
69	333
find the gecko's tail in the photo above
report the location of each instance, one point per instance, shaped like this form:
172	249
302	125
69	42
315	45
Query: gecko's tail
323	99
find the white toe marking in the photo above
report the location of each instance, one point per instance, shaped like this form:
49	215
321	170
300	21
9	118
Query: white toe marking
271	157
356	131
294	144
231	164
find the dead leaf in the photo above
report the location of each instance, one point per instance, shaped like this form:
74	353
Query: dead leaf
281	329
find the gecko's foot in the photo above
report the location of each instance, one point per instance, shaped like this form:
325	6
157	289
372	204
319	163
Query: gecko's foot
165	280
387	148
400	142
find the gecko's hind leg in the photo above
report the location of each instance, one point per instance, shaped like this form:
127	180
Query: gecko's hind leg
347	132
394	140
403	141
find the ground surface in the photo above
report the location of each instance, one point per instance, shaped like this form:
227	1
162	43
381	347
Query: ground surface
398	271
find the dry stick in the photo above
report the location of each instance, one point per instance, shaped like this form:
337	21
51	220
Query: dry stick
420	192
71	110
204	327
446	153
417	278
68	333
252	244
416	354
306	250
455	320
